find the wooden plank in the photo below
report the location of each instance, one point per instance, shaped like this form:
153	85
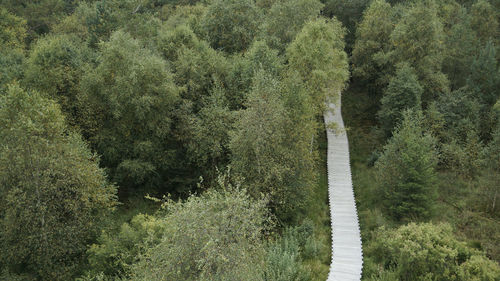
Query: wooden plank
347	254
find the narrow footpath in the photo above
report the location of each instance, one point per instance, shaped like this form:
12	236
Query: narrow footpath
347	255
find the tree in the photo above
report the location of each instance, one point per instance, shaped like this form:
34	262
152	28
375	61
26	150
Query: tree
257	144
12	30
487	195
55	66
484	77
40	14
426	252
460	110
406	170
170	41
283	260
131	97
403	92
197	70
285	19
12	36
53	193
418	39
460	44
484	21
317	55
208	143
370	53
349	13
267	151
484	82
215	236
243	68
231	25
115	251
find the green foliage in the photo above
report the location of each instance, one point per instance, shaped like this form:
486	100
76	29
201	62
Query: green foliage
208	144
114	253
216	236
283	260
231	25
11	67
197	70
285	19
370	54
97	20
406	170
486	194
261	56
12	30
461	146
243	69
492	151
403	92
40	15
463	157
349	13
52	191
484	77
460	112
426	252
261	151
484	21
12	36
131	97
460	44
418	39
55	66
171	41
317	55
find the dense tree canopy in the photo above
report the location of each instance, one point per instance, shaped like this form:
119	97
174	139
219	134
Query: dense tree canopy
52	191
13	30
186	99
131	95
317	55
231	25
285	19
55	66
12	35
261	150
417	38
370	53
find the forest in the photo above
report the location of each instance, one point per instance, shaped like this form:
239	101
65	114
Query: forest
184	139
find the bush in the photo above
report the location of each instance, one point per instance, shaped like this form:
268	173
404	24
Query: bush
426	252
116	252
215	236
283	261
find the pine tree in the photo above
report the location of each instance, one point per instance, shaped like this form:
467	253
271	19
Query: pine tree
406	171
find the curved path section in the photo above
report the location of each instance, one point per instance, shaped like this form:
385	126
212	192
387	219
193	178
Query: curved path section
347	256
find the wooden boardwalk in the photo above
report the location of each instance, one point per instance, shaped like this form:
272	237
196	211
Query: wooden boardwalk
347	255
